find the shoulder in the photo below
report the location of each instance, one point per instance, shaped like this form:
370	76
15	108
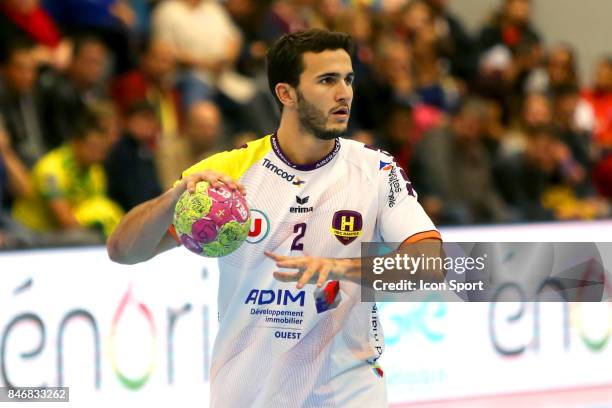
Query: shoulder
234	162
368	159
54	161
248	152
50	174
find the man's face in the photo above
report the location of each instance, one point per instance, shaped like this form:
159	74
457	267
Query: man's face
559	66
143	126
159	62
468	126
537	111
603	76
90	63
92	149
518	11
204	125
20	72
325	93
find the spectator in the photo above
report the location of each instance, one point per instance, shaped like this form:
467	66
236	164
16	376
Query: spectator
397	137
110	20
391	79
566	102
70	186
14	183
452	171
203	137
536	112
68	95
109	119
510	27
153	81
14	177
248	17
561	71
22	107
130	166
528	57
432	85
282	17
28	19
208	43
496	79
600	98
539	182
455	44
493	130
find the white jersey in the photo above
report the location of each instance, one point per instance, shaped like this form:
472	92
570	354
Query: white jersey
278	346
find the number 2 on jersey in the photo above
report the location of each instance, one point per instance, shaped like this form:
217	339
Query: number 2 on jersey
300	230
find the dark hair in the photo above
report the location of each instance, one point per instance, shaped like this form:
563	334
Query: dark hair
284	59
536	132
15	45
141	106
86	123
565	90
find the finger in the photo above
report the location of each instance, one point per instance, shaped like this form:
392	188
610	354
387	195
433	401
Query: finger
293	263
229	182
307	275
191	184
274	256
286	276
214	181
193	180
241	188
323	274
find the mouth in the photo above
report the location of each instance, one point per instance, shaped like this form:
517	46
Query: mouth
341	113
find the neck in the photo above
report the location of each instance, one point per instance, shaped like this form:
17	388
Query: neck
81	164
301	147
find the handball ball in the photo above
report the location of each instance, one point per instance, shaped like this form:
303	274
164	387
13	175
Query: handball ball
212	221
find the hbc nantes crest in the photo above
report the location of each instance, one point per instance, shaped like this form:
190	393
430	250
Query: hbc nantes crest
346	226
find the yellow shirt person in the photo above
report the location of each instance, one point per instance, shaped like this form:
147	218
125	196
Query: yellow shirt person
70	187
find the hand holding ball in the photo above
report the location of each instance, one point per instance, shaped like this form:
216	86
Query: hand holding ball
212	221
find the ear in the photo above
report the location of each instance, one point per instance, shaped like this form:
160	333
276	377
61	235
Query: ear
286	94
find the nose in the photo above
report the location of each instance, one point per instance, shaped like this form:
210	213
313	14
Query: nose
344	92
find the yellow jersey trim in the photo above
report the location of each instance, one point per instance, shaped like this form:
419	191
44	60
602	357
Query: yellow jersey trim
233	163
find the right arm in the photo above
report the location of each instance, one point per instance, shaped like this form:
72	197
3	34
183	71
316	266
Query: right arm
143	232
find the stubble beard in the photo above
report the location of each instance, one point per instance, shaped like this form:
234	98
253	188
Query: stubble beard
313	120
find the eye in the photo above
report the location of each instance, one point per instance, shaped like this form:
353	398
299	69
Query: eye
327	80
349	80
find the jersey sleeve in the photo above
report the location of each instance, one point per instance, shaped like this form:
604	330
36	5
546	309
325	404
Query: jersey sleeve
400	218
233	163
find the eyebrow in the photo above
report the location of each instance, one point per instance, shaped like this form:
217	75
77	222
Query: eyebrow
335	75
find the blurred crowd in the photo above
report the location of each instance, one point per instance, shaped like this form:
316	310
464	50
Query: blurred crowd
104	102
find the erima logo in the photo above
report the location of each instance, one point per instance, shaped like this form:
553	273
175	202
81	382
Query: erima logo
279	297
301	201
292	178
